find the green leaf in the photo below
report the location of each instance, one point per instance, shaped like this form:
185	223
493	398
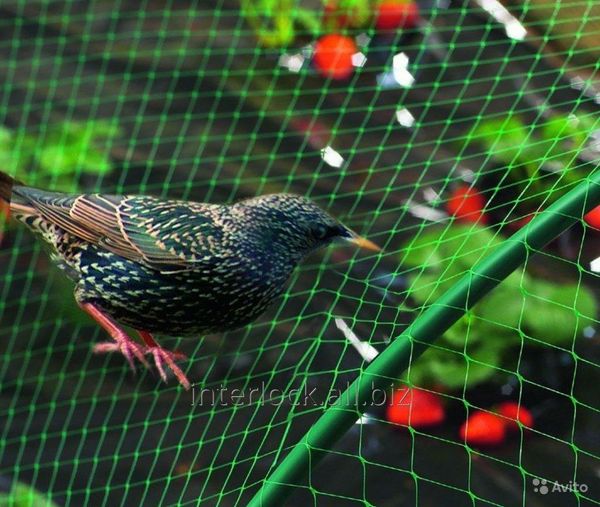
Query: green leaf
555	313
9	157
569	133
72	147
22	495
424	287
452	250
456	336
503	306
455	369
504	137
6	137
520	305
95	162
54	160
484	362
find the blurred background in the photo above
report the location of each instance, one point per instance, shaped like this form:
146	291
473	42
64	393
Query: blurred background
436	128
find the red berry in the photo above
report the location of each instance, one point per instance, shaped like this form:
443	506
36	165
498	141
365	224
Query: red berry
467	204
333	56
592	218
513	411
393	14
483	429
414	407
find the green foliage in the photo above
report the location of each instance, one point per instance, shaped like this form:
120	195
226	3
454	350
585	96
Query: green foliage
271	20
522	309
558	313
55	158
277	23
506	138
541	160
22	495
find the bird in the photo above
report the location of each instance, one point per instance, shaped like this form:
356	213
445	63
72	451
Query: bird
173	267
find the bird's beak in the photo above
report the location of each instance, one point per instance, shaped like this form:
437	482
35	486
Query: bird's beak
365	243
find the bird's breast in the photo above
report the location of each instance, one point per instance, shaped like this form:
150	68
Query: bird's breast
213	297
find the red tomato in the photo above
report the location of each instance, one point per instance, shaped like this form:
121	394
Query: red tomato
592	218
467	204
483	429
333	56
513	411
393	14
415	407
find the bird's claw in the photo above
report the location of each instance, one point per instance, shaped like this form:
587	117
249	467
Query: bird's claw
130	349
162	357
125	346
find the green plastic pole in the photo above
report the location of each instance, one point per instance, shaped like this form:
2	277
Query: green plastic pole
388	366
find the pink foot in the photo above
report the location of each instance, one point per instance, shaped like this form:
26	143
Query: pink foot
131	349
122	342
125	346
162	357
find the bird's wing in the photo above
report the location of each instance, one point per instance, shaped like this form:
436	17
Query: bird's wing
164	235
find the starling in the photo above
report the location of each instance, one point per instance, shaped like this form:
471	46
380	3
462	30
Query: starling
173	267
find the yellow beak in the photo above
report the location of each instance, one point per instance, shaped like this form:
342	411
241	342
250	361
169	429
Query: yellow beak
365	243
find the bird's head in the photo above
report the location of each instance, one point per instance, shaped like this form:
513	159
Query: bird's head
293	222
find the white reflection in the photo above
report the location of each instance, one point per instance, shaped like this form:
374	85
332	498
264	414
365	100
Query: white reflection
595	265
466	174
578	83
332	157
359	59
292	62
365	419
586	87
513	27
426	212
430	194
400	69
363	39
405	117
515	30
594	141
366	350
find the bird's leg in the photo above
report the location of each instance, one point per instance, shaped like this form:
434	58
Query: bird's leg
162	356
122	342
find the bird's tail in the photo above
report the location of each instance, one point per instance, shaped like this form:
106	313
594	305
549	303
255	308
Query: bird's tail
6	187
7	204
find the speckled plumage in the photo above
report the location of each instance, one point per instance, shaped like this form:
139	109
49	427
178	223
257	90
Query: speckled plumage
169	267
174	267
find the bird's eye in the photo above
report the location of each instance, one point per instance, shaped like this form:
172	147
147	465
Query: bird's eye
320	232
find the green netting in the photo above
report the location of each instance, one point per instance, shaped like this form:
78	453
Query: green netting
217	101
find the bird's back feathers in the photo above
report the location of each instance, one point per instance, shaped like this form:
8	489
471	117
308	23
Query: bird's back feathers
164	235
